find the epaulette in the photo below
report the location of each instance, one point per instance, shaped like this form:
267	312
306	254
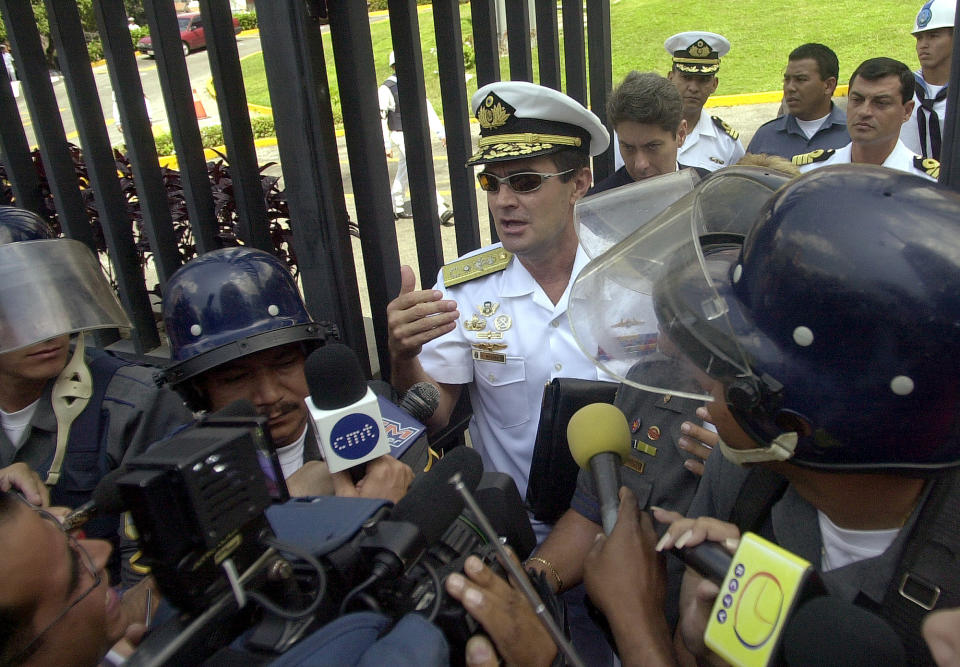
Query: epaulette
475	266
927	165
818	155
726	128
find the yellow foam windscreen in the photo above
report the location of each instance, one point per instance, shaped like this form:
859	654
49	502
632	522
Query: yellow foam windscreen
595	428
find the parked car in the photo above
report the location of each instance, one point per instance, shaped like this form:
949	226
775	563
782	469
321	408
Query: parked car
191	34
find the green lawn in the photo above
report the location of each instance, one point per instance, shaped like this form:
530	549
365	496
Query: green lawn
761	32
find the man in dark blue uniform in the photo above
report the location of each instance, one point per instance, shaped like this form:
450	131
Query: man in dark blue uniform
811	120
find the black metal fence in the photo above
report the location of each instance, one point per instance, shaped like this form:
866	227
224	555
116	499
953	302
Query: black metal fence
292	44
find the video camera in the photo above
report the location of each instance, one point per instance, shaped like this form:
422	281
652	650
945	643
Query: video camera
206	505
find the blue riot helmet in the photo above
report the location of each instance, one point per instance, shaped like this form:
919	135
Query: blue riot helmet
834	330
19	224
228	304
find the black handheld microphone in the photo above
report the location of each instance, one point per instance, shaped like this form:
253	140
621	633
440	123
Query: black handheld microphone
105	500
422	516
599	438
421	401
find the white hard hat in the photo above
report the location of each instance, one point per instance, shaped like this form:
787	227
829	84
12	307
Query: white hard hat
935	14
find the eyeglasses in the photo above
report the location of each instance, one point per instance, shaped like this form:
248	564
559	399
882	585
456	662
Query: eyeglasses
78	555
526	181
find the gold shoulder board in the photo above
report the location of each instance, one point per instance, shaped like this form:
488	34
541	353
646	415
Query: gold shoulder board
475	266
725	127
818	155
927	165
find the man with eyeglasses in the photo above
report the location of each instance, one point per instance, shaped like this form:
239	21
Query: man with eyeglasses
56	603
496	320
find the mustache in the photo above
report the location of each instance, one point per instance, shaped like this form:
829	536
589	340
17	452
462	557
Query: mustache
279	409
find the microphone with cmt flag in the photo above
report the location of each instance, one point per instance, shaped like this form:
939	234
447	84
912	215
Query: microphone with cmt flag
599	438
345	412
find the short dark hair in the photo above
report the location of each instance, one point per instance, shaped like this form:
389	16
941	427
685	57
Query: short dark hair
569	159
15	622
826	59
879	68
647	98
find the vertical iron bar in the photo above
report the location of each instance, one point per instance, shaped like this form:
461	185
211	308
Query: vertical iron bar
601	76
548	44
405	30
456	119
518	41
15	151
303	117
67	34
181	115
574	53
486	41
151	193
235	122
949	153
356	74
45	115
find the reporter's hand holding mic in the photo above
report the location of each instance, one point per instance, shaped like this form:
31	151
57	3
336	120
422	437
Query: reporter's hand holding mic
626	578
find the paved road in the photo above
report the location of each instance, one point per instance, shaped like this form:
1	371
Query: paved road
198	66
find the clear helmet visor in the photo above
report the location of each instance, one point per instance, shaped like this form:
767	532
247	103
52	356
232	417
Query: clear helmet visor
604	219
649	311
52	287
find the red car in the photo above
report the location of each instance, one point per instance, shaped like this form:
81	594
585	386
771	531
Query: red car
191	34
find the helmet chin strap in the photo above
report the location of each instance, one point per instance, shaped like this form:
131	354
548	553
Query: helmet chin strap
780	449
71	394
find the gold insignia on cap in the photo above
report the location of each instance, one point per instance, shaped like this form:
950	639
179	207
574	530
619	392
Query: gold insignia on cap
491	115
699	49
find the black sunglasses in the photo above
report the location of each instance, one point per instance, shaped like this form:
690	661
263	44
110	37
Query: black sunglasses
526	181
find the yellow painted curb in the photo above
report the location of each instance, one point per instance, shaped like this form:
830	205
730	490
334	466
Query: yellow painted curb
758	98
211	153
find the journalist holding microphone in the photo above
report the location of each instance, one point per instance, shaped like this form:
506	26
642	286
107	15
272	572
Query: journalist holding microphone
826	355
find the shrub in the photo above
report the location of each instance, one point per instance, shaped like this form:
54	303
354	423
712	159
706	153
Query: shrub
164	142
225	206
262	126
95	49
211	135
247	20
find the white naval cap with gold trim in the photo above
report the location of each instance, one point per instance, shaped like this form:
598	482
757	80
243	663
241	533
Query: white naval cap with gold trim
520	119
697	52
